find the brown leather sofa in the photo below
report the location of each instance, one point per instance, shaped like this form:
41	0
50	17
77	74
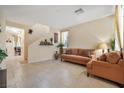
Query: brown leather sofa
109	66
75	55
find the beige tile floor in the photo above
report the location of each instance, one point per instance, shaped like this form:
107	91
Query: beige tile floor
51	74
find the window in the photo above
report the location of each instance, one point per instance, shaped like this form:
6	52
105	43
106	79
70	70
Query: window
65	38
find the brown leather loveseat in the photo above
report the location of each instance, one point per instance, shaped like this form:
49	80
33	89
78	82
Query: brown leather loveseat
76	55
109	66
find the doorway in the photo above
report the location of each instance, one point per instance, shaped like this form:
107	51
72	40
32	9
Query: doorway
15	43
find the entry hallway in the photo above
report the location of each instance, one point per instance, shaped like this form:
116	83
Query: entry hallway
51	74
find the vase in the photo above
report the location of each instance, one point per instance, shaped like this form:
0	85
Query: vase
51	40
56	55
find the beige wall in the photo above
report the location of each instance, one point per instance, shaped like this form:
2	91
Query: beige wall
2	34
88	35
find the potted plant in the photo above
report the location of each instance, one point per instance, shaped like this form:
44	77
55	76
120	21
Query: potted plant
112	43
60	46
3	55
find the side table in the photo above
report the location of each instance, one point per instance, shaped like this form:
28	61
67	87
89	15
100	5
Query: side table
56	55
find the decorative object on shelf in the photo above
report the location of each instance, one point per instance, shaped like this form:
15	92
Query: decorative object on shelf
108	50
102	46
60	46
45	42
51	40
112	44
56	55
0	28
55	37
3	55
30	31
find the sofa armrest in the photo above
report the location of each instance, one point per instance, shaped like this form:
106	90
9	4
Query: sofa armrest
89	65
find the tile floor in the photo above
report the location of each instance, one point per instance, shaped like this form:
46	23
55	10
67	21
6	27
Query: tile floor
51	74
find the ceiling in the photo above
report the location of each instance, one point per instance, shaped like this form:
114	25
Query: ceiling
60	16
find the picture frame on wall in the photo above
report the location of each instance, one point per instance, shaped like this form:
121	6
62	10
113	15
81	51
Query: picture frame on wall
55	37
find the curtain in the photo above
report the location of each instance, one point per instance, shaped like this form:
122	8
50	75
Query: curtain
118	26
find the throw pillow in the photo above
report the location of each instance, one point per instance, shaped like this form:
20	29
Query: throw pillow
102	57
74	51
85	53
113	57
68	51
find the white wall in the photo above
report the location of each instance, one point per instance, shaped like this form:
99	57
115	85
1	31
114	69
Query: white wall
38	53
2	34
88	35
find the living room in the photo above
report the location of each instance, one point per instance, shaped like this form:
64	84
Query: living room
84	35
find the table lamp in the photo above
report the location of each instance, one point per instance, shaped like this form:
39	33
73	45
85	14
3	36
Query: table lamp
102	46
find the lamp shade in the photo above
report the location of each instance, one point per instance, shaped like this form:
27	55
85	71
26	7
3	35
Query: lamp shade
102	46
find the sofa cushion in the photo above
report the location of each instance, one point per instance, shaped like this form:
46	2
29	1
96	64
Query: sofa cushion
84	52
76	57
74	51
102	57
65	56
113	57
84	59
68	51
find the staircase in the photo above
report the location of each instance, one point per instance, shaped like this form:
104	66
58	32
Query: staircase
38	53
